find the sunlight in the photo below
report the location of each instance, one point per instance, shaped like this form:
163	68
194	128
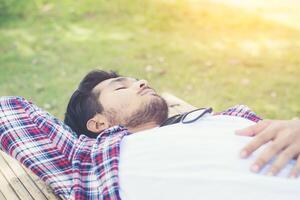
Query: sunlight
284	12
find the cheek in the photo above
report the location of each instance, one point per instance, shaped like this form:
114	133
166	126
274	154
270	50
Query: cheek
120	101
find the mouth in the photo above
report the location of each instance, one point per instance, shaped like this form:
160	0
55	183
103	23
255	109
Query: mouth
147	91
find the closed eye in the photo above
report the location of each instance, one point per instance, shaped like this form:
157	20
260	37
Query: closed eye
120	88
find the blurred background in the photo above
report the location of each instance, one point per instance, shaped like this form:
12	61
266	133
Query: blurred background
208	52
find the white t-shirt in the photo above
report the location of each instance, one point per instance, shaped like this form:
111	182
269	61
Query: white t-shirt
197	161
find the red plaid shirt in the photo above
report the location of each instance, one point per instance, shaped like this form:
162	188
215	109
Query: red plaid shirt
75	168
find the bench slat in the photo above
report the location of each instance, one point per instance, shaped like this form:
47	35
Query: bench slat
28	183
47	191
14	180
5	186
2	197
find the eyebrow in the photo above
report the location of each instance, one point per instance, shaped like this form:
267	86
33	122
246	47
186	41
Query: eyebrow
120	79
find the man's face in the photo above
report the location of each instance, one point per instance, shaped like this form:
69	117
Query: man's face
130	102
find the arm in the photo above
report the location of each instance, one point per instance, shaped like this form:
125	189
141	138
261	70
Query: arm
37	140
75	168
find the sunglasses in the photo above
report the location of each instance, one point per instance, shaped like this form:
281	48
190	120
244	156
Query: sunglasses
188	117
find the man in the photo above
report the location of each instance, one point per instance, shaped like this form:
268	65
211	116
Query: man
105	99
88	167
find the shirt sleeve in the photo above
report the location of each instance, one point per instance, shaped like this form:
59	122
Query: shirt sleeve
39	141
241	111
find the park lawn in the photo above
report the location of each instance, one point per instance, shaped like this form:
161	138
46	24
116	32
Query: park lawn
205	53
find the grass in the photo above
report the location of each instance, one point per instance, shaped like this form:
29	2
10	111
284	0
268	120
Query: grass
205	53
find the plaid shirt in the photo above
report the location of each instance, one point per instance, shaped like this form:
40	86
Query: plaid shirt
241	111
75	168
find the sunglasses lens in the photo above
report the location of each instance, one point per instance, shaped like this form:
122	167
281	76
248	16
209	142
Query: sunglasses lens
193	115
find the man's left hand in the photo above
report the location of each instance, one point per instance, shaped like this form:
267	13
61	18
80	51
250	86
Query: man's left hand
284	146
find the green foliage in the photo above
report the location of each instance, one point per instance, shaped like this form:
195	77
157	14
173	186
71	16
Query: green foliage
11	9
205	53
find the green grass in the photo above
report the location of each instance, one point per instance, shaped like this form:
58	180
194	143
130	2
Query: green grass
207	54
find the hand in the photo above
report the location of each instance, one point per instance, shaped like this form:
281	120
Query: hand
285	145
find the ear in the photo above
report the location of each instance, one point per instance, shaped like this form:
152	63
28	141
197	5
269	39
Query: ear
97	124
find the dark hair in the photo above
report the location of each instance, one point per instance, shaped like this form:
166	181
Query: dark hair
84	104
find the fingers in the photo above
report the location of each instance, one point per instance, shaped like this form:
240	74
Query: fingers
295	171
283	158
285	137
268	153
265	136
254	129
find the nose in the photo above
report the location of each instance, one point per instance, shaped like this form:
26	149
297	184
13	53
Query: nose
142	84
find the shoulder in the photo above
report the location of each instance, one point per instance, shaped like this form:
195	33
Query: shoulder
241	111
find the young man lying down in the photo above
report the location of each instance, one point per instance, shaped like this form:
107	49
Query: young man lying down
195	157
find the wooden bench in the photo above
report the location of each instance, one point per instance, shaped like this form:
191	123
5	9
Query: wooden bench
18	183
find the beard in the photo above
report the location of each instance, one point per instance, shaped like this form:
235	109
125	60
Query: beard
156	110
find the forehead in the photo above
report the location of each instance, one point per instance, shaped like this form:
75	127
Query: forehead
111	82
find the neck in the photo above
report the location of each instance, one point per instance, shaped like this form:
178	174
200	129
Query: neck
143	127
